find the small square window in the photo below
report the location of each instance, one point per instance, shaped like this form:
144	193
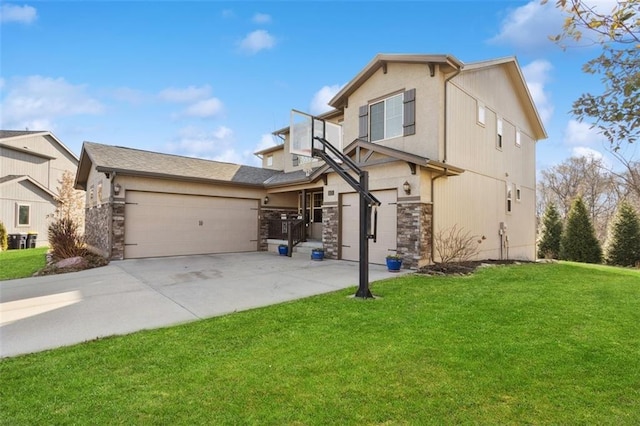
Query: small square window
23	214
481	113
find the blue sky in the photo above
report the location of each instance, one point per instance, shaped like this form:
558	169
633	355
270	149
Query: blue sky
214	79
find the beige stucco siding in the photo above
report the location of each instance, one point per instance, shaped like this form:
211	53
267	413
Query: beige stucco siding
429	106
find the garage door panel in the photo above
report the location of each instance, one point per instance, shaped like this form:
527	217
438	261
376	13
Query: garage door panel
160	224
387	227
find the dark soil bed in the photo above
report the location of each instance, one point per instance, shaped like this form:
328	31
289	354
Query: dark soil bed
463	268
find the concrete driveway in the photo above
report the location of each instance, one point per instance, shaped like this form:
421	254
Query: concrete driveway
41	313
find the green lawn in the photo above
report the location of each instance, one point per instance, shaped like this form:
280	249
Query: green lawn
21	263
529	344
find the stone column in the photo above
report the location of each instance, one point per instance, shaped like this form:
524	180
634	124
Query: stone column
414	234
330	231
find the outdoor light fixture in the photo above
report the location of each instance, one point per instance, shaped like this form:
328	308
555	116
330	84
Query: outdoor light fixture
407	187
117	188
266	199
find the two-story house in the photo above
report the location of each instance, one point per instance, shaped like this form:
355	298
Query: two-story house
445	144
31	166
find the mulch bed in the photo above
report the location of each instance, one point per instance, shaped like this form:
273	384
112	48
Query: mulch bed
464	268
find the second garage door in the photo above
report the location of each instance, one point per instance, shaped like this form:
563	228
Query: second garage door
387	227
161	224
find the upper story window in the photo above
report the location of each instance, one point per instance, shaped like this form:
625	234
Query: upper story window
270	160
509	198
499	133
518	136
388	118
481	117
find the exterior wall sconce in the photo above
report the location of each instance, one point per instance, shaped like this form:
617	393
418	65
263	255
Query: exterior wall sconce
407	187
266	199
116	188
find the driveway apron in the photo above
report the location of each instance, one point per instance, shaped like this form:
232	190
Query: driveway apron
41	313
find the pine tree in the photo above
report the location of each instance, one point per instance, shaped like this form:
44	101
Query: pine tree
623	244
579	242
549	246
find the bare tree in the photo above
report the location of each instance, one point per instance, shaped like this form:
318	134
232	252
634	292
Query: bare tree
586	177
70	201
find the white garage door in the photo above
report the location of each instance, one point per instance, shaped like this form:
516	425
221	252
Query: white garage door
387	227
160	224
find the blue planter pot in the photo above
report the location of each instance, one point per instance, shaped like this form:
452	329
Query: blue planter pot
283	250
317	255
394	265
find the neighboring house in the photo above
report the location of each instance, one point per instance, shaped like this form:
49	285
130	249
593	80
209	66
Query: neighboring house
31	166
445	144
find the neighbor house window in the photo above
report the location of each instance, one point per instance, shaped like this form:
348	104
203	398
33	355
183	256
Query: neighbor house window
509	198
23	214
386	118
499	133
481	114
270	160
518	194
518	136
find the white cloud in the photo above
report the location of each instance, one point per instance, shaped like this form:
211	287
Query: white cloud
266	141
583	151
205	108
256	41
581	133
187	94
36	101
21	14
537	74
321	98
261	18
194	142
528	27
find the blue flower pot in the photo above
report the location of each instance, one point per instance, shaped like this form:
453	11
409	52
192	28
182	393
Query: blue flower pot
283	250
317	255
394	265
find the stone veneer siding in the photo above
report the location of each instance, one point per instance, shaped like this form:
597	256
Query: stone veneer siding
117	226
330	231
267	214
96	225
414	234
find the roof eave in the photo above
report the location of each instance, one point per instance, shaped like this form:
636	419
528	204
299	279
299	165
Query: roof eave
381	59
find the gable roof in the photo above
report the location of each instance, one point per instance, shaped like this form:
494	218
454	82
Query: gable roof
514	71
380	60
354	148
136	162
17	134
12	179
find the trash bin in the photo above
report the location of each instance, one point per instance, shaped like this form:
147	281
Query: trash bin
17	241
31	239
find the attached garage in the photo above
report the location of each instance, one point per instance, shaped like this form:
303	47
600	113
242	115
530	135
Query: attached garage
165	224
386	242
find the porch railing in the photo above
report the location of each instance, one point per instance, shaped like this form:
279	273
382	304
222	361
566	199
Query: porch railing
291	230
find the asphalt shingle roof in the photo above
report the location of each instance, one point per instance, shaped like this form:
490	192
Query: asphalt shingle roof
154	163
13	133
